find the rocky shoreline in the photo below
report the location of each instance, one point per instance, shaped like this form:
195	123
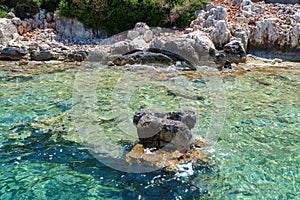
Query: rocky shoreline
223	32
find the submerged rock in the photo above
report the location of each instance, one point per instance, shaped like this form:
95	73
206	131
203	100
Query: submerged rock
162	159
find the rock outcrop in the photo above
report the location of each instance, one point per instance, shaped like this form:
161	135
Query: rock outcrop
165	140
72	29
282	1
142	45
8	31
141	57
170	131
270	30
195	47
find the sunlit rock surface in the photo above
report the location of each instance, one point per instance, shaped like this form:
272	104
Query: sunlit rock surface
163	159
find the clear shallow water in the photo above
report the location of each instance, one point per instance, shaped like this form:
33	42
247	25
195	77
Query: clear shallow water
256	156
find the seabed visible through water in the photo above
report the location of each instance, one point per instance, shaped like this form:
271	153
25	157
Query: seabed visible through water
42	155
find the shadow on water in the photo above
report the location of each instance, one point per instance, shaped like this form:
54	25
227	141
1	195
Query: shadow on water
40	148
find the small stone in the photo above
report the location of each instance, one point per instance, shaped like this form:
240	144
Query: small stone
148	36
23	62
132	34
16	21
21	30
227	65
141	27
33	46
11	14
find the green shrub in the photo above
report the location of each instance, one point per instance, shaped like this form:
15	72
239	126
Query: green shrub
3	13
23	8
119	15
26	8
50	5
182	14
113	15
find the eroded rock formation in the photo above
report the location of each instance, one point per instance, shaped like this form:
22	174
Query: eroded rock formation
165	140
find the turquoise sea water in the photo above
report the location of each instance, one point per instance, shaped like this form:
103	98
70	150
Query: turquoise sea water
42	155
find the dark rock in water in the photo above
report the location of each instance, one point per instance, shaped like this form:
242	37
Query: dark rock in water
41	55
12	53
141	57
150	57
179	61
235	52
171	131
77	56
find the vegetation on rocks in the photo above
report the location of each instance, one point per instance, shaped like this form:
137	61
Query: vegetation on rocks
112	15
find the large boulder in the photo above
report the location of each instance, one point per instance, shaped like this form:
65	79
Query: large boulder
77	56
170	131
195	47
220	35
42	55
12	53
71	28
140	57
265	34
243	35
214	15
7	30
269	39
127	45
235	51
